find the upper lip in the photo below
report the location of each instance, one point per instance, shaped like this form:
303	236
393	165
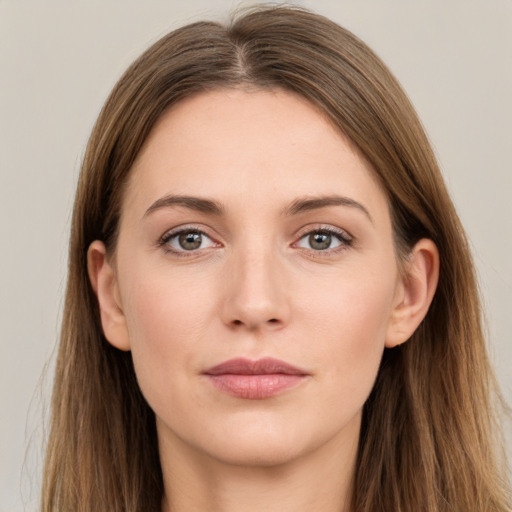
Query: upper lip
265	366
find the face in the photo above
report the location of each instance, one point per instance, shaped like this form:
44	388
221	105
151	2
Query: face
255	278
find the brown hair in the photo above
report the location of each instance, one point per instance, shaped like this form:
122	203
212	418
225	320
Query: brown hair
429	433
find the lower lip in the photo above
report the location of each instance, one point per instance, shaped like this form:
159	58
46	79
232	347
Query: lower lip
255	387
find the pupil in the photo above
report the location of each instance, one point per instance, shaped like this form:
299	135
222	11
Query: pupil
320	241
190	241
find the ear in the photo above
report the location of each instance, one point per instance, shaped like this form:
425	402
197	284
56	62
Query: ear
415	292
104	283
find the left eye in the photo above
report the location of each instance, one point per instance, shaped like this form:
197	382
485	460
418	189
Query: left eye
322	240
189	240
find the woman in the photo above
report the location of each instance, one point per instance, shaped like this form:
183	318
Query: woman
271	303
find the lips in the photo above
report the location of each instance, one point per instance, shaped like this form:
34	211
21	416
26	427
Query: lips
255	380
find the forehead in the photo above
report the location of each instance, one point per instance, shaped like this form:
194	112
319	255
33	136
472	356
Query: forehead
250	145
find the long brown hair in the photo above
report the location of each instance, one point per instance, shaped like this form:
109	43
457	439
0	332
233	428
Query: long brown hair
429	438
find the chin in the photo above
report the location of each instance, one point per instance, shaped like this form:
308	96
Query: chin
266	443
264	452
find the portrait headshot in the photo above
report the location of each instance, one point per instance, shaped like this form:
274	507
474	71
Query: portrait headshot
256	256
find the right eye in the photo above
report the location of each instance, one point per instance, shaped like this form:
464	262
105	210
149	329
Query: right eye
187	240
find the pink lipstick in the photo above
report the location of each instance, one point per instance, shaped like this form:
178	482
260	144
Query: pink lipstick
255	380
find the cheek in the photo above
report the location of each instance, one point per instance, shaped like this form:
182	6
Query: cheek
348	323
165	317
164	306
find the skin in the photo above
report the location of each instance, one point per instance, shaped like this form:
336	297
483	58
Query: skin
257	287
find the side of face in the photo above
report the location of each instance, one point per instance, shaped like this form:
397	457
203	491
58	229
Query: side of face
252	229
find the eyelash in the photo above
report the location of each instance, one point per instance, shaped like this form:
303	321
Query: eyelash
342	236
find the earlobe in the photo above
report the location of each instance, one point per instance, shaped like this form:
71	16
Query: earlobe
418	285
104	283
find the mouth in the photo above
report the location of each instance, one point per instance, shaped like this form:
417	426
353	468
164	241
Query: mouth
255	380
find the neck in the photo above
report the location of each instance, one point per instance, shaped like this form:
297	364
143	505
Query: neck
320	480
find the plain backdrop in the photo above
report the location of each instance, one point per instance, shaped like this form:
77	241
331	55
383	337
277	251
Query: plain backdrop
59	60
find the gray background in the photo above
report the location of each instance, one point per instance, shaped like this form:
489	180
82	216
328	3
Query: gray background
59	60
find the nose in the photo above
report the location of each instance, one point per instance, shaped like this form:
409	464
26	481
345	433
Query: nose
255	297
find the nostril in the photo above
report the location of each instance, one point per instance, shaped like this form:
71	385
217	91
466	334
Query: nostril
270	321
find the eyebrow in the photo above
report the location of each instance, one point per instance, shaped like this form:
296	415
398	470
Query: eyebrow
193	203
298	206
315	203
